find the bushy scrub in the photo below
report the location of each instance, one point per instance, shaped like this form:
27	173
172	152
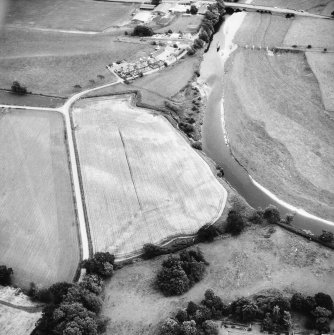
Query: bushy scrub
181	272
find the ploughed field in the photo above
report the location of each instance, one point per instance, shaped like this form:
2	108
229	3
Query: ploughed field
142	181
38	231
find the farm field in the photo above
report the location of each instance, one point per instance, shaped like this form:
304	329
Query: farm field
238	267
17	322
262	30
311	31
141	179
322	66
278	128
38	234
85	15
52	63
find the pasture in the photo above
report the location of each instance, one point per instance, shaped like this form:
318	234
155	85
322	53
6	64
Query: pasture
181	23
38	232
168	82
322	66
52	63
278	128
280	261
17	322
262	30
85	15
311	31
142	181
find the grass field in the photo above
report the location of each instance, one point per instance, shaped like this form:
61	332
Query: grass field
38	232
17	322
238	266
311	31
278	128
84	15
262	30
7	98
182	23
142	181
322	66
52	63
170	81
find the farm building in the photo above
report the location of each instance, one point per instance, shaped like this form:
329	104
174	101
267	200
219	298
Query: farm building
162	9
180	8
142	17
145	6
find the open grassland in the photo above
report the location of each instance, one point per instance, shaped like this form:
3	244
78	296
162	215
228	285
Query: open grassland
278	128
312	6
238	267
322	66
168	82
17	322
142	181
184	24
38	232
86	15
310	31
52	63
262	30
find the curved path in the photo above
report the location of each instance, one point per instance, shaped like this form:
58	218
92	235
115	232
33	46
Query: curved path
31	309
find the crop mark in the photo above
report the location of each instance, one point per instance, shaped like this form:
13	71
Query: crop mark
130	170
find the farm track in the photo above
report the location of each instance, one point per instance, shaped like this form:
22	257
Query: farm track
27	309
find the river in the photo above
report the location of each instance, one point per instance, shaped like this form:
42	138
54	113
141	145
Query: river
215	136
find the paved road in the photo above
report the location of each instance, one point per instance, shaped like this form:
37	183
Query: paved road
65	111
275	10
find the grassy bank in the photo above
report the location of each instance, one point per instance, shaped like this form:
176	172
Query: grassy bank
278	128
245	265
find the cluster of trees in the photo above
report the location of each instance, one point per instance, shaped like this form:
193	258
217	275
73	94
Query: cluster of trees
74	308
326	237
196	319
181	272
274	313
211	21
19	89
141	30
318	309
271	215
5	275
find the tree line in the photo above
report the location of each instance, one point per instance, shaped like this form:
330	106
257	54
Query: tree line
272	311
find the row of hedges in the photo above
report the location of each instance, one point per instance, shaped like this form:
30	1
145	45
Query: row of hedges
213	18
74	308
274	313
